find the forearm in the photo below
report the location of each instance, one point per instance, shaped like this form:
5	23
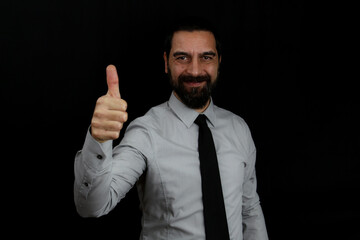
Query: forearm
254	227
92	186
104	175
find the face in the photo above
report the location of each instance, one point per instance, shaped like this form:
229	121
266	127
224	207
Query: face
192	66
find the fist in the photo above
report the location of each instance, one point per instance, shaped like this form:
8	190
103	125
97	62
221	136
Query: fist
110	110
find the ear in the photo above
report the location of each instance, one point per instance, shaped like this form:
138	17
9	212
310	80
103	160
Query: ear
166	63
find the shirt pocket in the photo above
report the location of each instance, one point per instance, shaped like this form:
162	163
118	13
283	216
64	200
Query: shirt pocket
232	170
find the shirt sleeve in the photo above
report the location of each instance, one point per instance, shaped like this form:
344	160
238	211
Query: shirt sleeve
103	174
254	227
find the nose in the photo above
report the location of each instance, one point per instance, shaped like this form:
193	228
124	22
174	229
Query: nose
194	68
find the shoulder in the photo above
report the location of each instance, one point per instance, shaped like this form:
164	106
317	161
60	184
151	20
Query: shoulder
235	127
229	118
153	118
139	133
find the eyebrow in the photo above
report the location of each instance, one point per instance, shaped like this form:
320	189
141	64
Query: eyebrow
211	53
180	53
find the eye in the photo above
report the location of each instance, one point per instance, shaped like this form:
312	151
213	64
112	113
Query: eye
182	58
207	58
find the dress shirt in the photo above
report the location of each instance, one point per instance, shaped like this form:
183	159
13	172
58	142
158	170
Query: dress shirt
159	153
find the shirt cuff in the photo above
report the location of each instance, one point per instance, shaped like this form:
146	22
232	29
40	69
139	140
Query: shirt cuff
98	155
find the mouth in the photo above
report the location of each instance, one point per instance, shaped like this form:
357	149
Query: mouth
193	84
194	81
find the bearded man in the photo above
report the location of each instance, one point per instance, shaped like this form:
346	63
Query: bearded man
166	152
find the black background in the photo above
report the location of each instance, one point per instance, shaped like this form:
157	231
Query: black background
285	70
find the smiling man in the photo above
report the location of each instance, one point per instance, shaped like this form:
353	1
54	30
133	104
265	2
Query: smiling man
193	162
193	65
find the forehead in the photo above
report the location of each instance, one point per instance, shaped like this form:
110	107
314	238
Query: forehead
194	41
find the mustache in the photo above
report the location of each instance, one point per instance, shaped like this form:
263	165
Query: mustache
191	78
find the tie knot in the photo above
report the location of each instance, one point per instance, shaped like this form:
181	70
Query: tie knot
201	120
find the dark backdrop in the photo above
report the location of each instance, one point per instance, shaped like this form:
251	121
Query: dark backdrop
285	70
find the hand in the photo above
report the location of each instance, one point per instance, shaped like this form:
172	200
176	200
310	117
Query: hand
110	110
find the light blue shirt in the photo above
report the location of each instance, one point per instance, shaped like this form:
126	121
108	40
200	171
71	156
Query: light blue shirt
159	153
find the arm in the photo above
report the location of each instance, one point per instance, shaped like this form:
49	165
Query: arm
254	227
103	176
92	171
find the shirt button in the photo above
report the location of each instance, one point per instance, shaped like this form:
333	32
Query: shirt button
99	157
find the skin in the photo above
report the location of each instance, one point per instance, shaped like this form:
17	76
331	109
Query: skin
192	53
110	110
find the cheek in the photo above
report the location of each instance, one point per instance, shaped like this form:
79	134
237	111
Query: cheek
176	70
213	72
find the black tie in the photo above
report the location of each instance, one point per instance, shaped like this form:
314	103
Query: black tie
216	227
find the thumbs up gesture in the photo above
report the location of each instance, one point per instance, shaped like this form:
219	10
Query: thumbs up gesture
110	110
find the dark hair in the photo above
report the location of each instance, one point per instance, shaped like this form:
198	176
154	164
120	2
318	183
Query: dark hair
191	24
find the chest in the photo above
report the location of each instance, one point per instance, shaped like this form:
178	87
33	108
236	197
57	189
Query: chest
175	169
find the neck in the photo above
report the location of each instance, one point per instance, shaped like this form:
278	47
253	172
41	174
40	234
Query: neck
199	110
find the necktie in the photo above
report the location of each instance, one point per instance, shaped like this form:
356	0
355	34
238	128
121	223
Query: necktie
216	227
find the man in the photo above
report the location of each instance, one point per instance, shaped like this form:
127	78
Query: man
159	151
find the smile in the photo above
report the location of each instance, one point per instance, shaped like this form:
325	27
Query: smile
194	84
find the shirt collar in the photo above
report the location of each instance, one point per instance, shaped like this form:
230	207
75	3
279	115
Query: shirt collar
188	115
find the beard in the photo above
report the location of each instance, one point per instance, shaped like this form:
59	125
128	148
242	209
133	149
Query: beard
193	97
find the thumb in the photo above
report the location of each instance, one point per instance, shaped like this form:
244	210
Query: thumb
112	80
